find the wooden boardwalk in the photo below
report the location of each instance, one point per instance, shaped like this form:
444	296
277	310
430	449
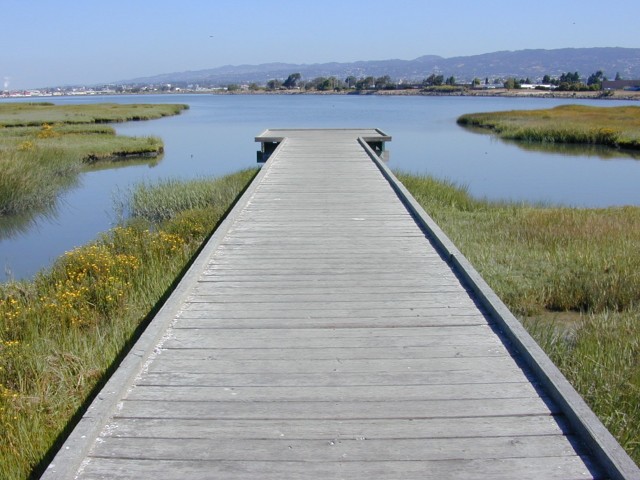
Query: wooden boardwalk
322	335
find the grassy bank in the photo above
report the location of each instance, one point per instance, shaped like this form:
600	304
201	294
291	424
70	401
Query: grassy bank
60	332
24	114
617	127
572	276
43	147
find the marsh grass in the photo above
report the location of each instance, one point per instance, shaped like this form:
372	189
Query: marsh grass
617	127
162	200
21	114
43	147
547	263
60	332
37	170
33	179
542	258
599	355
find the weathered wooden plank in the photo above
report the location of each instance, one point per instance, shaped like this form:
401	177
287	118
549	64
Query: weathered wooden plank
530	468
392	223
214	338
274	253
195	349
320	232
450	408
254	250
283	338
351	277
442	294
334	366
402	336
199	310
327	240
335	450
372	309
312	257
470	427
338	314
355	308
349	393
338	263
203	320
439	302
303	380
284	285
284	288
382	211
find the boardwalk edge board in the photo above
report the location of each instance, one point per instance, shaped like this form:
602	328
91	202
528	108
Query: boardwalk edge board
606	449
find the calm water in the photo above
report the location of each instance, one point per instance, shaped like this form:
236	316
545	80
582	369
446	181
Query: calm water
216	136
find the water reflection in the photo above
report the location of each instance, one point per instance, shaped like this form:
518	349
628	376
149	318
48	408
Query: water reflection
570	149
573	149
12	226
132	161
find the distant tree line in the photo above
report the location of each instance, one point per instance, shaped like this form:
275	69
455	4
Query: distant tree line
295	81
567	81
385	82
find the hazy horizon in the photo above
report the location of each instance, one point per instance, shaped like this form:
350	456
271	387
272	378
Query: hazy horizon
72	42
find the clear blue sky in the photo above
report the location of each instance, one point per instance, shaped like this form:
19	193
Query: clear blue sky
52	43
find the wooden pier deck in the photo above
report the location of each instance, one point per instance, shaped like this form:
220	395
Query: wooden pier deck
329	330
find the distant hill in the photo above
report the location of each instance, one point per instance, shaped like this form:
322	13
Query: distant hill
520	64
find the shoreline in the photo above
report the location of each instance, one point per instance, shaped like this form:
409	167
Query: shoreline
497	92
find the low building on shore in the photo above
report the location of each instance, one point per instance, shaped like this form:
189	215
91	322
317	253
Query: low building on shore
621	85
